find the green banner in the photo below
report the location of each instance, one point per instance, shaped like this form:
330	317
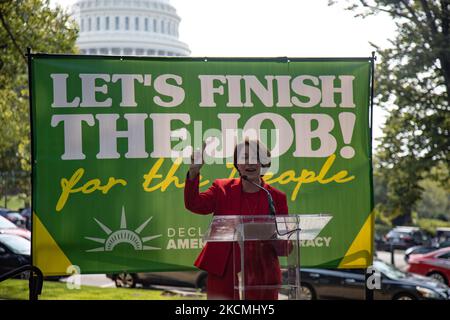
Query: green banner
113	137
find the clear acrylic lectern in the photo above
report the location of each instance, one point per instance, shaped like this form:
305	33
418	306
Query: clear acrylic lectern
266	251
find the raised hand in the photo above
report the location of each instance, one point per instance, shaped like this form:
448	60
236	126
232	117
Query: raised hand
196	162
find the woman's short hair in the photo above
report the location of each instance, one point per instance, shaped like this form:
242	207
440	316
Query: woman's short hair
255	147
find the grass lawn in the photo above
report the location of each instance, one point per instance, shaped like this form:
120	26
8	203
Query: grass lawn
18	290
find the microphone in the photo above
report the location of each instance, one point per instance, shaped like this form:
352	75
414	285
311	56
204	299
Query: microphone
269	196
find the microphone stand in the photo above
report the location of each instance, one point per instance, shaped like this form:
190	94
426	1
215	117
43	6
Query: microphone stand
272	211
269	196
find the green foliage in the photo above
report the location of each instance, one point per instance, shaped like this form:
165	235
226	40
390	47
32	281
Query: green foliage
25	23
15	202
379	183
430	225
381	217
435	201
413	85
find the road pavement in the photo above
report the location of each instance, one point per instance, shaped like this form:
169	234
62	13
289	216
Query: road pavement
399	258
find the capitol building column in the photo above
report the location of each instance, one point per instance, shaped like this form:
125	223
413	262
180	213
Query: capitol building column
128	27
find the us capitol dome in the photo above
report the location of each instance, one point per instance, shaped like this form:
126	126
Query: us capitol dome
128	27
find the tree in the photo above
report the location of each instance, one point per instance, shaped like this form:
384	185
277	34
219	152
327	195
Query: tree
435	202
25	23
413	85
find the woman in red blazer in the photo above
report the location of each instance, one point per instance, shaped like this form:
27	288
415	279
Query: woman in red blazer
237	197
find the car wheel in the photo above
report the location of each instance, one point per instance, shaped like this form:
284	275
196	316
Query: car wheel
404	296
307	292
439	277
125	280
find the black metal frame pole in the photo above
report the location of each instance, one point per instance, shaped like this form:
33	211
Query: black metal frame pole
5	188
369	291
215	59
299	260
392	248
33	285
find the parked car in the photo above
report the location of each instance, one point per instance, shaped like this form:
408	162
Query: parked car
16	218
26	213
13	216
443	234
405	237
14	252
435	264
425	249
380	243
190	279
7	227
350	284
3	211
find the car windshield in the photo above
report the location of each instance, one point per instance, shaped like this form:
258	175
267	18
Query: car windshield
14	215
444	244
445	256
389	270
397	234
16	244
6	224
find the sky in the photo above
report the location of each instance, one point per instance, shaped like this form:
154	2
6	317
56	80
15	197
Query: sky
273	28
